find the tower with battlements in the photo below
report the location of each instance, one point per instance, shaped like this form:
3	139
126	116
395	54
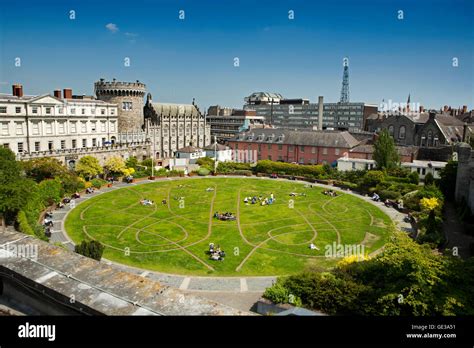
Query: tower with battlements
129	97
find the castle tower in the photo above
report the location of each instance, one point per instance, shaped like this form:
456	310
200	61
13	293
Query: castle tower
129	97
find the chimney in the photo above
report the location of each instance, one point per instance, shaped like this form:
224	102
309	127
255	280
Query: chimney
421	109
432	115
464	132
57	93
17	90
67	93
464	109
320	112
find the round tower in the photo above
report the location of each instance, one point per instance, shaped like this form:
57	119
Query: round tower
129	97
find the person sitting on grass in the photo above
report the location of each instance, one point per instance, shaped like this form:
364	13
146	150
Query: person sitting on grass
313	247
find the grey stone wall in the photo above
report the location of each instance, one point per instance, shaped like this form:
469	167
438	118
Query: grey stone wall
465	175
131	93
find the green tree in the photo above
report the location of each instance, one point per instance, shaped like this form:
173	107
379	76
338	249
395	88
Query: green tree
372	178
50	191
115	165
15	190
447	182
385	152
43	168
429	179
92	249
132	162
88	167
414	178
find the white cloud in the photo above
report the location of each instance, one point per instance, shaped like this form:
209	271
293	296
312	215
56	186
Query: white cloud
112	28
131	35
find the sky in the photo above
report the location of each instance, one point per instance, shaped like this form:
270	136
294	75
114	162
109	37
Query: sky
427	50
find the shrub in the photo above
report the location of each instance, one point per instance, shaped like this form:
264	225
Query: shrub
414	178
373	178
98	183
345	184
206	162
23	224
242	172
282	168
429	179
391	195
203	171
230	167
279	293
92	249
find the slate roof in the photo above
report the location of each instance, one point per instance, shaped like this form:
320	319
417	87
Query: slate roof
402	150
189	149
175	109
310	138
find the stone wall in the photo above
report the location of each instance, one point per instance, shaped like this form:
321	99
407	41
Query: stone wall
465	175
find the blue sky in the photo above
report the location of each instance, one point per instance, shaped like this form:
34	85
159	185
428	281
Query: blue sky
194	57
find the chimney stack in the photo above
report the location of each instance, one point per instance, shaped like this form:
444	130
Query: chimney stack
464	132
17	90
464	109
421	109
432	115
57	93
320	112
67	93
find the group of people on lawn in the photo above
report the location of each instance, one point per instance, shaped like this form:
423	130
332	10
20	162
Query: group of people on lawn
216	253
260	199
330	193
146	201
224	216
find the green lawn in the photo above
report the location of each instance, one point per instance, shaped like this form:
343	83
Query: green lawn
272	239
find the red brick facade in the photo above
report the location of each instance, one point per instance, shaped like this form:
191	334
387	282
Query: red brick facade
290	153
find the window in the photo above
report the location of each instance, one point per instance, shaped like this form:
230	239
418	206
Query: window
74	143
102	111
290	148
112	111
18	109
50	145
35	128
73	127
19	128
401	132
34	109
83	111
49	128
94	126
102	126
313	149
325	150
20	147
390	130
336	152
83	127
63	144
94	142
269	146
103	141
127	106
37	146
73	111
60	110
48	111
112	126
84	142
61	127
301	148
430	136
5	128
6	146
3	109
280	147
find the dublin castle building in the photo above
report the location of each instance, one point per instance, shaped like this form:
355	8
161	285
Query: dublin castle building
67	126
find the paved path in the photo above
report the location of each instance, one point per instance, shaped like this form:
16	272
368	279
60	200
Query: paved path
248	287
454	231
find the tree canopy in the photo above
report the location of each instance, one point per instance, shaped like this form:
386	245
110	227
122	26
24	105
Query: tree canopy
385	152
89	167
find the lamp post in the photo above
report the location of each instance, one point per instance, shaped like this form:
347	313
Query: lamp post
215	154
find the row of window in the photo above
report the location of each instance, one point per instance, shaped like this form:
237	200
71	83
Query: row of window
291	148
50	147
34	110
61	127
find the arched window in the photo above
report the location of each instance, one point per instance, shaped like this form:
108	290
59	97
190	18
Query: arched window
401	132
390	130
430	139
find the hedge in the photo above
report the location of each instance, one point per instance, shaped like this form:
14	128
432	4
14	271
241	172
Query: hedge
269	167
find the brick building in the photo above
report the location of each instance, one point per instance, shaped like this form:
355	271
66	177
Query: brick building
303	147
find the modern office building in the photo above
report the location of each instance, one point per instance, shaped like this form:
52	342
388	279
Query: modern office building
226	122
302	114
